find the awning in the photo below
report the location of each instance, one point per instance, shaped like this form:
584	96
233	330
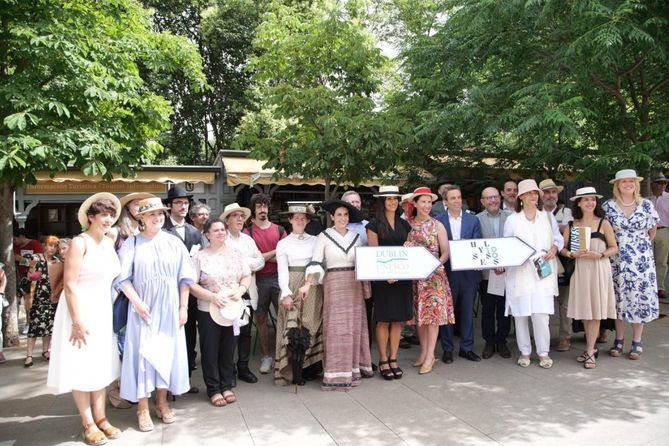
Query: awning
144	176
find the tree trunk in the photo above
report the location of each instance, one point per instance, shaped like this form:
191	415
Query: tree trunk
10	324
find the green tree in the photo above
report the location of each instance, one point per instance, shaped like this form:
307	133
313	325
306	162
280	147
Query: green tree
71	94
317	84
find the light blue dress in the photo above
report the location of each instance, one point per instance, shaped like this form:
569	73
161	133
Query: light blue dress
155	353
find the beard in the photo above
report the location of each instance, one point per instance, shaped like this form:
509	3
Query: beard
550	202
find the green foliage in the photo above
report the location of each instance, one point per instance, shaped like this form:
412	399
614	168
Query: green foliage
70	86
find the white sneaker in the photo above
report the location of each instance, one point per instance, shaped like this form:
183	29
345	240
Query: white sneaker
265	365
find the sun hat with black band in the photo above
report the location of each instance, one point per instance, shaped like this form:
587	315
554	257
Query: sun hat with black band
388	191
135	196
625	174
548	183
235	207
585	192
299	209
354	215
82	214
151	204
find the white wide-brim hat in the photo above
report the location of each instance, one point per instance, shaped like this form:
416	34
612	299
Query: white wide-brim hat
83	209
624	174
309	211
234	309
585	192
235	207
388	191
526	186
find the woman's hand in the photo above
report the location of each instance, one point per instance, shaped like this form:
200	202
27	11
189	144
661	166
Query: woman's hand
218	300
78	335
143	310
303	292
592	255
581	253
551	253
499	271
183	316
287	303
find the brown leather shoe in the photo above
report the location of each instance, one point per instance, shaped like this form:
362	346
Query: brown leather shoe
564	345
488	350
503	350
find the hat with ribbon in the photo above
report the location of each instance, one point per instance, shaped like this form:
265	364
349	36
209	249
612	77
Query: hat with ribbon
585	192
423	191
625	174
234	207
388	191
151	204
548	183
299	209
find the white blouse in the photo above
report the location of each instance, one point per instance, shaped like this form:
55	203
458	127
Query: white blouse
333	250
293	251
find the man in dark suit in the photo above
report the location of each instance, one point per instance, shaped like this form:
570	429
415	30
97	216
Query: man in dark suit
460	225
178	200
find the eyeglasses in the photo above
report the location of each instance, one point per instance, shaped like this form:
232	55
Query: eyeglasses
491	197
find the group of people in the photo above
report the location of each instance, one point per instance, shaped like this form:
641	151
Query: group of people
216	275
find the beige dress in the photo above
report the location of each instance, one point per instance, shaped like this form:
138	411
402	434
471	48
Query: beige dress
591	295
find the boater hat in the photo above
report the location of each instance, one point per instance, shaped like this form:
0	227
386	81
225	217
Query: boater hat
234	309
354	215
235	207
624	174
526	186
585	192
83	209
388	191
423	191
299	209
151	204
135	196
550	184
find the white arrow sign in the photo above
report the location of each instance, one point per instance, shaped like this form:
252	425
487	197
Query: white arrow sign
487	253
394	262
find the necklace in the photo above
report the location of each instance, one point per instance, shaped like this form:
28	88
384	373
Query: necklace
622	203
299	236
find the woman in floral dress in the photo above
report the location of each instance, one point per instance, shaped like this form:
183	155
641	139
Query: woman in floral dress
634	222
433	304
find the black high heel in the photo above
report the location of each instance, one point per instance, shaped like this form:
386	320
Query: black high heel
397	371
387	374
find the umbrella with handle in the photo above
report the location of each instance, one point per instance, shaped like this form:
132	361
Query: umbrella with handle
299	340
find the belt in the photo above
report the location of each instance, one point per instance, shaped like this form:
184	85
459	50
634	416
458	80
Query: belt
343	268
662	227
297	269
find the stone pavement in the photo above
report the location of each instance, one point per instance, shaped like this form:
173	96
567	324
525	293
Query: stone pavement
621	402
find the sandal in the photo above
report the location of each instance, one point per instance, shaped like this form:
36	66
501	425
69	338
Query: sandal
94	438
589	362
386	374
583	356
217	400
109	431
28	363
637	349
602	339
397	371
617	349
229	397
144	421
165	414
46	355
523	362
545	362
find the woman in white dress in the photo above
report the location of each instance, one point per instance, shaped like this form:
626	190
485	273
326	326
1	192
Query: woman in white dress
84	359
528	294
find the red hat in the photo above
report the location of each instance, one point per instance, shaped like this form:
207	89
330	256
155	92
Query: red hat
423	191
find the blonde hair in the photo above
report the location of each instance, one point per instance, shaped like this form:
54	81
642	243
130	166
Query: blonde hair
637	191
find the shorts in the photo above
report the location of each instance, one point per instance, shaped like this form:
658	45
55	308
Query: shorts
268	292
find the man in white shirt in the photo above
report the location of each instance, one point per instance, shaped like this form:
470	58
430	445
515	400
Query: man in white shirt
660	199
509	194
234	217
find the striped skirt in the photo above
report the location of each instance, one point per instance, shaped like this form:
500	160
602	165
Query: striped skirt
312	319
347	355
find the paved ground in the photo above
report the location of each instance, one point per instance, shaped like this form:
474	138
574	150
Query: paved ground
493	402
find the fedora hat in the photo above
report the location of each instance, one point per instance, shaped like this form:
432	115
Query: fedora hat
548	183
299	209
660	179
83	209
528	186
423	191
585	192
354	215
624	174
134	196
234	309
177	192
234	207
388	191
151	204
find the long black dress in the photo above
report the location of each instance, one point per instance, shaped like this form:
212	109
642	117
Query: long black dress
392	302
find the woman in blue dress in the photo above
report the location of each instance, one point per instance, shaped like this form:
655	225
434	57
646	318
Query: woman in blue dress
634	222
156	272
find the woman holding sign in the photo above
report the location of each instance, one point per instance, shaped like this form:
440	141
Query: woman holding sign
392	299
531	287
433	303
591	297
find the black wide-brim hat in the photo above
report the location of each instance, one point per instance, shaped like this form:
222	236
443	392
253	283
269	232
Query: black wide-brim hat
354	215
176	192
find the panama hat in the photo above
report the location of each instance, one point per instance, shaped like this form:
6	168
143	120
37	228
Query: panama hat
388	191
83	209
550	184
135	196
151	204
235	207
585	192
234	309
526	186
299	209
624	174
423	191
354	215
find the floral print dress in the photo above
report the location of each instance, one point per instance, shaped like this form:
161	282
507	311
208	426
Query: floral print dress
43	310
633	268
433	303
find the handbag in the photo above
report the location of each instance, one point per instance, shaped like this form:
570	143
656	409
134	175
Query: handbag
122	303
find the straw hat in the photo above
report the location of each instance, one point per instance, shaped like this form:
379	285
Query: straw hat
151	204
299	209
423	191
354	215
83	209
235	207
135	196
660	179
548	183
585	192
624	174
234	309
406	197
526	186
388	191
